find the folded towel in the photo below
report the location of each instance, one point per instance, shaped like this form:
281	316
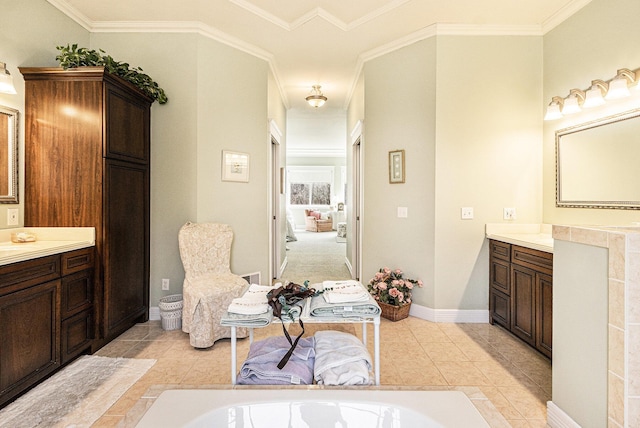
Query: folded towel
260	367
320	308
341	359
252	302
344	291
230	319
243	306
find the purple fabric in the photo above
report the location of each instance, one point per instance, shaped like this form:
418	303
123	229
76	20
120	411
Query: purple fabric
260	367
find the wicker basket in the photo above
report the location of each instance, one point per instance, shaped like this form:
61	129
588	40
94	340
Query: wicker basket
170	303
171	320
394	313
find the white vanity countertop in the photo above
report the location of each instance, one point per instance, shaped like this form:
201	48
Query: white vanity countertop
535	236
49	241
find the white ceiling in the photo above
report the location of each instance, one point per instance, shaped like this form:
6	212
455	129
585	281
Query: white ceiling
323	42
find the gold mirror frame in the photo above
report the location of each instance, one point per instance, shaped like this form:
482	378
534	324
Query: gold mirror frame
597	163
8	155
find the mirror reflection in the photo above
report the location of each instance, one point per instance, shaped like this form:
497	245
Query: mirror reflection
597	163
8	155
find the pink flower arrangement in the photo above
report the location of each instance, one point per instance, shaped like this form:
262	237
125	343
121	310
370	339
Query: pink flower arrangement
388	286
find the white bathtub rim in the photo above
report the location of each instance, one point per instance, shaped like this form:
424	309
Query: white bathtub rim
182	407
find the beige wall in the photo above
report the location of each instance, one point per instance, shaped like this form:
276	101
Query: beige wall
487	154
592	44
467	112
399	113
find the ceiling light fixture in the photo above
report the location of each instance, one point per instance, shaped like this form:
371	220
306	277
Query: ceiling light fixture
316	99
6	81
618	87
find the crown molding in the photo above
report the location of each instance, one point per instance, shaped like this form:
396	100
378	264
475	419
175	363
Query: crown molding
72	13
563	14
317	12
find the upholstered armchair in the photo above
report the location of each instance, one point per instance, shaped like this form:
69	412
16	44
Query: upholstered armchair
209	286
315	223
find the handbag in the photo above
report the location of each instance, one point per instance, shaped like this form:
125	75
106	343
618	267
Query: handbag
282	300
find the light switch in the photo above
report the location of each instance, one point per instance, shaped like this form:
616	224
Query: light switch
466	213
403	212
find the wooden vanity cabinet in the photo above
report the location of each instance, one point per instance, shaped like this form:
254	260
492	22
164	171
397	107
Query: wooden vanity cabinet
521	293
41	306
87	160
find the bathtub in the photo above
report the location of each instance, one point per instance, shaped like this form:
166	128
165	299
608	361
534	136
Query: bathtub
313	408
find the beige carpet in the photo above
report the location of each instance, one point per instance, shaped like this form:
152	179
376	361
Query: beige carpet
77	395
315	256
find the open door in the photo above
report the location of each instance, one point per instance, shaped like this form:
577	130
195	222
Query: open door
354	227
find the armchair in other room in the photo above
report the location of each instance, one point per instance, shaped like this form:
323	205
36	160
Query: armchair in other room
209	286
315	223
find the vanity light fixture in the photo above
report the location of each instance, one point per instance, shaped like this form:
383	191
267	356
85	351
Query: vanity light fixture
572	102
6	81
595	95
316	99
553	110
618	87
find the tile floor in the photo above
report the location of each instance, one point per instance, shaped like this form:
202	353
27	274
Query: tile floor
513	380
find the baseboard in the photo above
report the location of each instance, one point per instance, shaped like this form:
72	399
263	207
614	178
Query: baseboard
154	313
557	418
348	263
449	315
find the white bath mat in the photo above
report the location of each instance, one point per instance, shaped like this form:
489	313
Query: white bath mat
77	395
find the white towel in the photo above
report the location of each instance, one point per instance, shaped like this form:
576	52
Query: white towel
344	291
252	302
341	359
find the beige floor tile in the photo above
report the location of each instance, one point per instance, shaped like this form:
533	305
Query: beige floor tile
461	373
508	381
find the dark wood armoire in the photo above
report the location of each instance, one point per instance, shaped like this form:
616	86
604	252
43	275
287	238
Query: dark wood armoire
87	160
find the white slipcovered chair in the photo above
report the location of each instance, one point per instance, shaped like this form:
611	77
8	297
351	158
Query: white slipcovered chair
209	285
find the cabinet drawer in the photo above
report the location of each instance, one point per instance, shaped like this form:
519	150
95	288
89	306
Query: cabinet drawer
501	276
500	250
534	259
500	308
18	276
77	335
78	260
77	292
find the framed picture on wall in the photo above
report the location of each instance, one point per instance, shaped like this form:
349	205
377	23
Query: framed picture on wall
396	166
235	166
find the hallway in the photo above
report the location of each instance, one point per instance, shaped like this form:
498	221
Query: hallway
315	256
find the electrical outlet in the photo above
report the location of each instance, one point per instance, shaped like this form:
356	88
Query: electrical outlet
466	213
509	214
12	217
165	284
403	212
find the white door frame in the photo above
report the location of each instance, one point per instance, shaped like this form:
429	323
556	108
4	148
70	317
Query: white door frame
275	235
357	199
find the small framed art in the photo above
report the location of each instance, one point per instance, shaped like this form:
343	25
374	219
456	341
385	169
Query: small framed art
235	166
396	166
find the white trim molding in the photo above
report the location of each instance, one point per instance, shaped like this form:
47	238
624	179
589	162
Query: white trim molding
450	315
154	313
557	418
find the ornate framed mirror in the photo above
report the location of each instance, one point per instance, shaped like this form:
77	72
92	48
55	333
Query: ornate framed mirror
598	163
8	155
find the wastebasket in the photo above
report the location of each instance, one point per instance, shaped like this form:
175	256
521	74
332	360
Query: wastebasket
171	312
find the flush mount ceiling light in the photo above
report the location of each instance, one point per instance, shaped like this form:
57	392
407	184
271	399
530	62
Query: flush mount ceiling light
618	87
6	81
316	99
